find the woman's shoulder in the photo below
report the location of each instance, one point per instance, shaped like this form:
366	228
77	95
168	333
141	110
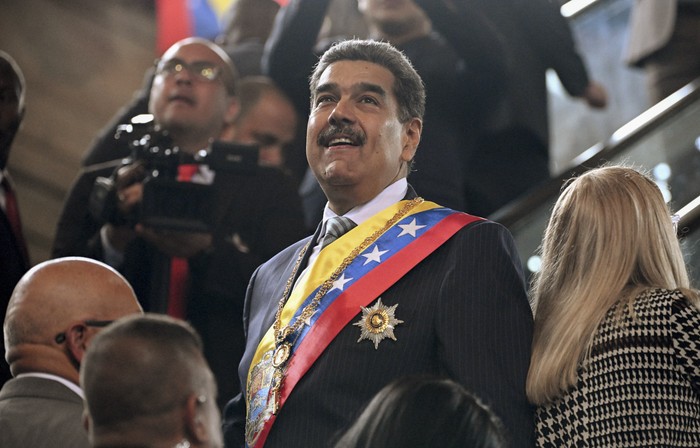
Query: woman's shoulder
668	301
666	296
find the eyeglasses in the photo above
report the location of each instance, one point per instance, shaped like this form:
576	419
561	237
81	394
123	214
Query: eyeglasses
61	337
200	70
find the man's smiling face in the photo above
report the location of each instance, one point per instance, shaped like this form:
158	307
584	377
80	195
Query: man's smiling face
356	145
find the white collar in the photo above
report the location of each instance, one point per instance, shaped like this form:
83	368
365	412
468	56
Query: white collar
390	195
70	385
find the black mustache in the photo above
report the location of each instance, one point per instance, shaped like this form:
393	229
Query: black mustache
325	136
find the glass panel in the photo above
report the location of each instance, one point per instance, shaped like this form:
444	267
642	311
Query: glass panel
690	244
671	153
600	32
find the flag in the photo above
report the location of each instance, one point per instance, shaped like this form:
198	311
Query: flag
178	19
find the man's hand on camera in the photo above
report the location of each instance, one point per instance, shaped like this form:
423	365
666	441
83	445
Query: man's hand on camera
129	197
129	187
118	237
173	243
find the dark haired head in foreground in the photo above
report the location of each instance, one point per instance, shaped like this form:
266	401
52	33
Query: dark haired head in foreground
147	383
424	411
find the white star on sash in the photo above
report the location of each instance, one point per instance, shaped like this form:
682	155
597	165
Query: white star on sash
340	283
410	228
307	321
375	255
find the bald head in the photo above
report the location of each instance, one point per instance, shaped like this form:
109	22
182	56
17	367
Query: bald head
229	74
58	306
193	95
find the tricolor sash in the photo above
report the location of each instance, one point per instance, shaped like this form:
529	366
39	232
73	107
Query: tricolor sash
383	262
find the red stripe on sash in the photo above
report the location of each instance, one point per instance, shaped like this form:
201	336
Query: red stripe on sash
362	293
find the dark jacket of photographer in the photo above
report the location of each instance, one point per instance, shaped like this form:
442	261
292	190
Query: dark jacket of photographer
262	210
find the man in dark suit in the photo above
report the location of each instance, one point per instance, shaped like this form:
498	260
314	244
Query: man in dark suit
412	287
14	258
194	274
513	153
54	313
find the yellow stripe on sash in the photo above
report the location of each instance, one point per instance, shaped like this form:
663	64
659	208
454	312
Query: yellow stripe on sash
327	262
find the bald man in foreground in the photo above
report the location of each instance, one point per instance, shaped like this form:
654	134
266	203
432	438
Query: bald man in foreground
54	312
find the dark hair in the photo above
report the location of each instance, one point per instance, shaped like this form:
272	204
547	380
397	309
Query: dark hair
251	89
162	362
408	85
424	411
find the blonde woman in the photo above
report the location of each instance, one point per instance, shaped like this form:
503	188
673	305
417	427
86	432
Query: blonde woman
616	349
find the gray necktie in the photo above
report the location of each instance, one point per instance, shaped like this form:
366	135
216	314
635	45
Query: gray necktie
335	227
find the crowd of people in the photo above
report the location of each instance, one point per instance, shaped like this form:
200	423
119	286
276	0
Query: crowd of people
357	298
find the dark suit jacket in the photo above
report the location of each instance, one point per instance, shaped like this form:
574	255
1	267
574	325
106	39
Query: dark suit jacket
13	265
513	146
39	412
465	314
263	209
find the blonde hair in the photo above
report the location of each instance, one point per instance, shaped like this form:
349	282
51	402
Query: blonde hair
610	237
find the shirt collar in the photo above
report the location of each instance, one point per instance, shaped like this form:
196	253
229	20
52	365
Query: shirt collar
390	195
70	385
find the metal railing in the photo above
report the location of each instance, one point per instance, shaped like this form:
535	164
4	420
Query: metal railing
689	217
574	8
622	139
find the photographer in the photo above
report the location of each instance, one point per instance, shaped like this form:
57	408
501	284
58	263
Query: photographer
253	216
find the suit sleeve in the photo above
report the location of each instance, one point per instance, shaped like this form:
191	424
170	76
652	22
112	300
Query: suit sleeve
475	40
552	36
485	325
289	53
233	422
77	232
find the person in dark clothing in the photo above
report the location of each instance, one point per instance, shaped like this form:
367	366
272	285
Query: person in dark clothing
513	154
458	55
426	289
14	256
253	215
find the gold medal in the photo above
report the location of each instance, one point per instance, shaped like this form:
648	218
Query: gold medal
281	355
378	322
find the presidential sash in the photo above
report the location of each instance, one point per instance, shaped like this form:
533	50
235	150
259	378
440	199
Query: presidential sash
347	276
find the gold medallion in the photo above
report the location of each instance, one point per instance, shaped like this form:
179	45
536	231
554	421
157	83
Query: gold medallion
378	322
281	354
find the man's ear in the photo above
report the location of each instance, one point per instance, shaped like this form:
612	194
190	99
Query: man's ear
232	109
412	132
195	426
76	341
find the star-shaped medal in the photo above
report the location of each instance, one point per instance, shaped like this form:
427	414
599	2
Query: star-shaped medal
378	322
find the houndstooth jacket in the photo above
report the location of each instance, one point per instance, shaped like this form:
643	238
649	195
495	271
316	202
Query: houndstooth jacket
640	385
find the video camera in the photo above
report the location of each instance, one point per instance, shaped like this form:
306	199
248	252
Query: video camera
168	203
